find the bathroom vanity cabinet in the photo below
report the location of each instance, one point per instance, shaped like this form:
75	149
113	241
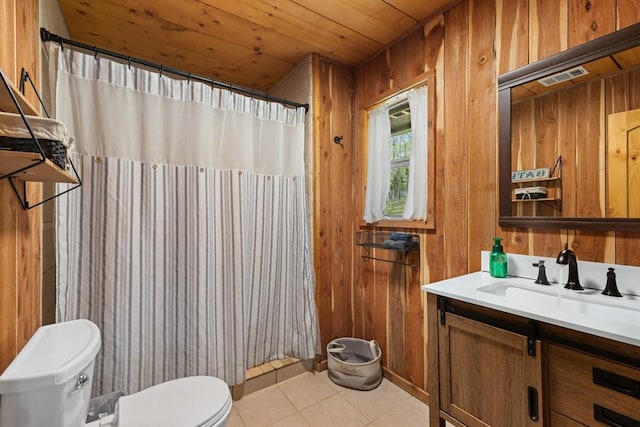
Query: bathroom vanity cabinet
488	367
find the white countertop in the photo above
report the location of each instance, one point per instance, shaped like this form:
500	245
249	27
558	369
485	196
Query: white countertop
585	311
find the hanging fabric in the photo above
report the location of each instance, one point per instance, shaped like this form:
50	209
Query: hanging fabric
378	164
188	244
416	205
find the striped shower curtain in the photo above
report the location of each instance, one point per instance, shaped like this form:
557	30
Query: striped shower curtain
187	243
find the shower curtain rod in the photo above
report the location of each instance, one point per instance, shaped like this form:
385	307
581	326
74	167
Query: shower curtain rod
46	36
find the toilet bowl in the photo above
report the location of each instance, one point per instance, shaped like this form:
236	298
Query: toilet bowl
49	383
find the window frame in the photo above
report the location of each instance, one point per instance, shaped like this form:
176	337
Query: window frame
427	79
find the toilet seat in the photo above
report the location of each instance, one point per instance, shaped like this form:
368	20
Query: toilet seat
197	401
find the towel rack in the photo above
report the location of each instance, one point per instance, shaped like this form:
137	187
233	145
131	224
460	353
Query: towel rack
390	261
395	241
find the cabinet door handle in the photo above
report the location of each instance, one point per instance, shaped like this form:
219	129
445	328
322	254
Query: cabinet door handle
532	398
613	418
617	382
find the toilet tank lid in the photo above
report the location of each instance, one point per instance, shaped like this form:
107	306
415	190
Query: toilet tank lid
54	354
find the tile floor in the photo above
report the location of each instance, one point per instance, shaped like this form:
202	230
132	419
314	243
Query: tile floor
312	400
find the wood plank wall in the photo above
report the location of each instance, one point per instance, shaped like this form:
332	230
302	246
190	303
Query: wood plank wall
333	199
20	236
468	46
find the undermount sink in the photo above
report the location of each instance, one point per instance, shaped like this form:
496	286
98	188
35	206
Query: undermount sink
572	304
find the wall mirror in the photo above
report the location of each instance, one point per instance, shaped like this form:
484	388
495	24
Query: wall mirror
569	138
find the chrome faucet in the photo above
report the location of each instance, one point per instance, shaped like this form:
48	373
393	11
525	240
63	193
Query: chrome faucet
567	256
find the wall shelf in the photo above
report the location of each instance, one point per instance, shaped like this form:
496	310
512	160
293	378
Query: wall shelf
44	172
28	165
542	199
552	181
541	180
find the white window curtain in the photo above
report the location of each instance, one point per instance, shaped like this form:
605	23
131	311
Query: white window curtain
378	164
416	205
187	243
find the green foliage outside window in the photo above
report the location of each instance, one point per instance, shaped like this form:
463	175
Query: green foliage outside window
399	183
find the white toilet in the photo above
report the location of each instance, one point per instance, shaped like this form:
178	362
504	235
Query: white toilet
49	384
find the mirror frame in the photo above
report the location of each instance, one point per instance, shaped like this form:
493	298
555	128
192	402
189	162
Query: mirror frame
604	46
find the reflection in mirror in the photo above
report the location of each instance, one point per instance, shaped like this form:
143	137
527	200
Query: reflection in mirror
575	120
589	117
623	164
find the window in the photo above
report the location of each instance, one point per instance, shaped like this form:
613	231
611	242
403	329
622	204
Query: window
400	120
397	161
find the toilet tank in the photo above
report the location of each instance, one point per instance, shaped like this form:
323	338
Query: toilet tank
49	382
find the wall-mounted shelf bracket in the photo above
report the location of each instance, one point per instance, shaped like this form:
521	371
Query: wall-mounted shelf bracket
23	200
13	175
25	77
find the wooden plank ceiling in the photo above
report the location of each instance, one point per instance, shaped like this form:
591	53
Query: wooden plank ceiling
252	43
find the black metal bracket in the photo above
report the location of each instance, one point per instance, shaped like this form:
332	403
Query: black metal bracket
23	200
442	303
556	204
24	77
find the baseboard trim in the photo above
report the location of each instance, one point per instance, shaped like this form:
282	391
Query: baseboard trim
410	388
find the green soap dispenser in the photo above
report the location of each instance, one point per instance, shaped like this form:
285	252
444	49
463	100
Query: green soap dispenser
497	259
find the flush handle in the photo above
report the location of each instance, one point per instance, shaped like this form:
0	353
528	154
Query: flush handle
83	380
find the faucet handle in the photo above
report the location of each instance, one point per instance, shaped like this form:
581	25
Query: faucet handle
542	273
611	289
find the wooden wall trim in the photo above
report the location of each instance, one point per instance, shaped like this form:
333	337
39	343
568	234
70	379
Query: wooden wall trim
20	231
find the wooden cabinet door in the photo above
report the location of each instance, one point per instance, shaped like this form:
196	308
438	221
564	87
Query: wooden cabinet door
486	376
623	164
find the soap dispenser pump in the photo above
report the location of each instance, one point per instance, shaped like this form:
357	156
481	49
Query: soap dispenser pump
497	259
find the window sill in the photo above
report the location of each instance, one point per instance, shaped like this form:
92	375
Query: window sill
403	224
